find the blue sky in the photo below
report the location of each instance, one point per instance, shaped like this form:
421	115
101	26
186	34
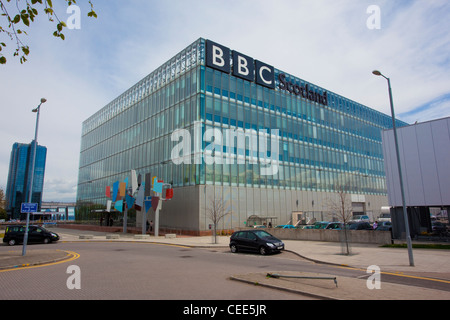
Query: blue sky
322	41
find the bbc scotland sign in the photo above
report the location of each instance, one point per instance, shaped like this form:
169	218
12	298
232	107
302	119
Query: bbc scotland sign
242	66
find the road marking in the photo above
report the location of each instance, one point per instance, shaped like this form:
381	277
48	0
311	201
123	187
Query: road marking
72	256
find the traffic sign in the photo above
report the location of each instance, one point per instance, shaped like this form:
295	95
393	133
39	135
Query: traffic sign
29	207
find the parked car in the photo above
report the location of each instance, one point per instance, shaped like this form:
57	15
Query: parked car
438	227
36	234
286	226
360	218
320	224
362	225
335	226
384	226
259	226
384	217
255	240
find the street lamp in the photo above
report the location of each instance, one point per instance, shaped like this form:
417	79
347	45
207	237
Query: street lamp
405	214
33	159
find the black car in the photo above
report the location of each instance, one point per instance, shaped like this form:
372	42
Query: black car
15	234
438	227
359	226
255	240
384	226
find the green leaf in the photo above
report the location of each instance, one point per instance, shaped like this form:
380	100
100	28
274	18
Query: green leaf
16	19
25	20
2	60
26	50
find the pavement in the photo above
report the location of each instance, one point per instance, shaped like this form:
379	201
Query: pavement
430	264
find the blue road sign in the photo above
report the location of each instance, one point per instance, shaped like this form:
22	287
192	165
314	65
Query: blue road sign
29	207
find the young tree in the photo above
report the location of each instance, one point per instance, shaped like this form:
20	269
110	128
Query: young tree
341	205
21	14
3	214
216	212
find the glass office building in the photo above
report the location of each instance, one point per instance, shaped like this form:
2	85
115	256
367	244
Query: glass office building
323	141
19	176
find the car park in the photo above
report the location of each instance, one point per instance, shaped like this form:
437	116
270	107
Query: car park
255	240
36	234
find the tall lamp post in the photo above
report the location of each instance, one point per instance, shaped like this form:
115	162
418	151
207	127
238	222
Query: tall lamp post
33	160
405	214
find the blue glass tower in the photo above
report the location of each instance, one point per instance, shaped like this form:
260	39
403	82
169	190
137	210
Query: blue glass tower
18	187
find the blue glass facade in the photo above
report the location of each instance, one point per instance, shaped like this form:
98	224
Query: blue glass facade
320	146
18	186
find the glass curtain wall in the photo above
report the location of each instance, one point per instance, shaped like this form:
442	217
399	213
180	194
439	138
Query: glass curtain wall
320	147
133	132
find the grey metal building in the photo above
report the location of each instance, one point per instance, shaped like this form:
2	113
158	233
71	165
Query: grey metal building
424	155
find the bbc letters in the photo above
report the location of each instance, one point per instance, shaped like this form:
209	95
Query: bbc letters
242	66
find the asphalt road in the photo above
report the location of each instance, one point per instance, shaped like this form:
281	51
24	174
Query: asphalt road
143	271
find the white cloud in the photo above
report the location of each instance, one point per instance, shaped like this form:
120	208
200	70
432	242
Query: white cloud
324	42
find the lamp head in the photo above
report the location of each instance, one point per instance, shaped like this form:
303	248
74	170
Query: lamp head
376	72
43	100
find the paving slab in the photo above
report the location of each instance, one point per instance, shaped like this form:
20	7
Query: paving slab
346	289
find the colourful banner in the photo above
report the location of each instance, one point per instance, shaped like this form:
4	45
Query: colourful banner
115	191
119	205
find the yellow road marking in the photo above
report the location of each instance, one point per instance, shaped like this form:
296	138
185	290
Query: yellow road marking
72	256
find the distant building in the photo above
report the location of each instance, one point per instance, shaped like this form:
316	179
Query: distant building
18	186
59	210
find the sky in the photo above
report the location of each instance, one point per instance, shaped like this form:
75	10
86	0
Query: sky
333	44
